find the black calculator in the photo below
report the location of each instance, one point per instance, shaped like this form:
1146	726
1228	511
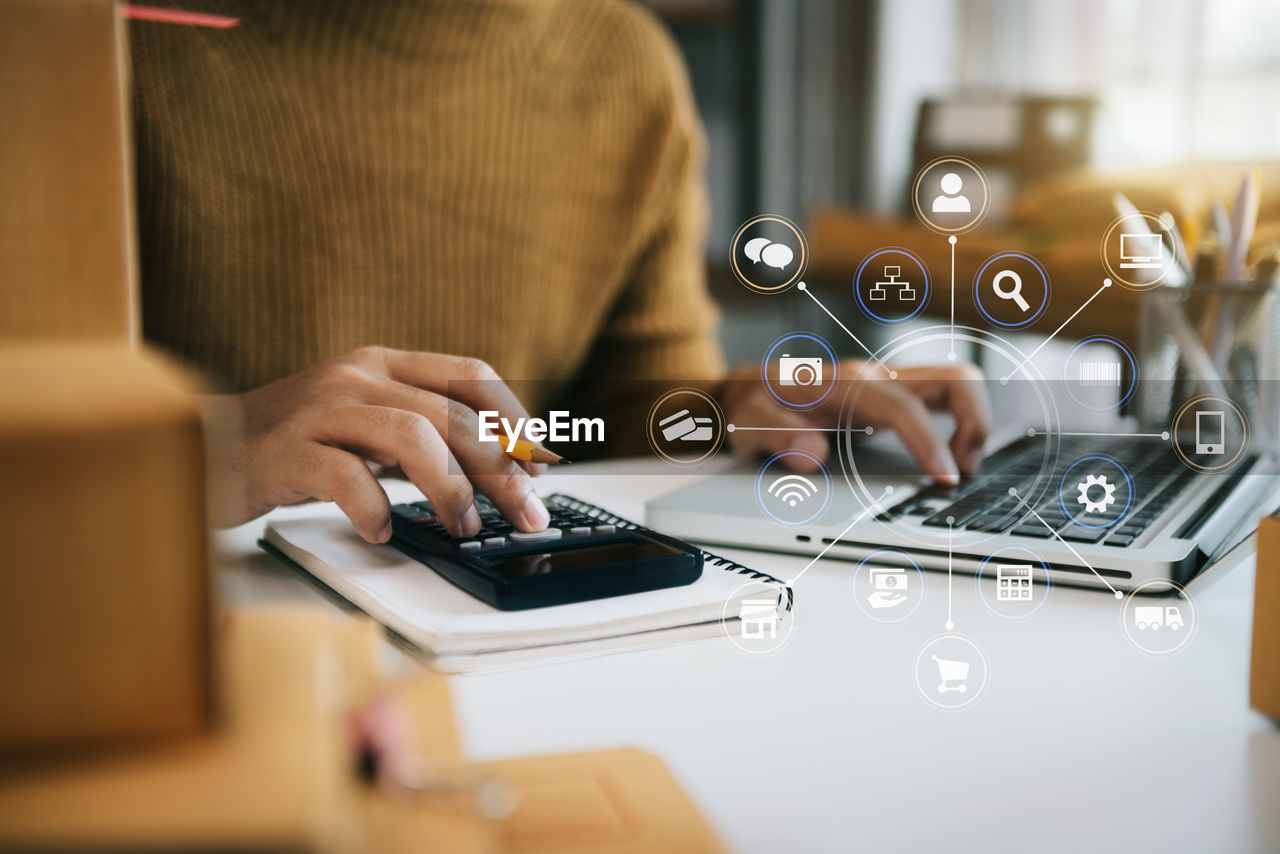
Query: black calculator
582	554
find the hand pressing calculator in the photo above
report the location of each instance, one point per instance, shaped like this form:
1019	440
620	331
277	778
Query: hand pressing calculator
582	554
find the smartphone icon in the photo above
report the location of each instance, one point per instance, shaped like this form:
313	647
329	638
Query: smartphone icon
1210	428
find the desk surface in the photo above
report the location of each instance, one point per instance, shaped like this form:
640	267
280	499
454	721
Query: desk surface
1080	742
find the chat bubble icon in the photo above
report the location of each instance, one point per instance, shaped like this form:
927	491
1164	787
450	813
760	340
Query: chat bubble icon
754	247
777	255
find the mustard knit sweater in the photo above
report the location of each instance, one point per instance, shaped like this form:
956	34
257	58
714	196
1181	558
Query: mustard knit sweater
516	180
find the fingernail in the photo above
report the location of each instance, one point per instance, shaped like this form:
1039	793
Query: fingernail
471	522
538	469
384	534
946	468
535	514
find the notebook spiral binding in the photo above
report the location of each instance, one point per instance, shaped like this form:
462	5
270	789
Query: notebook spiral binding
708	558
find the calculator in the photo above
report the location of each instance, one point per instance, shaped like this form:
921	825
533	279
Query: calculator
582	554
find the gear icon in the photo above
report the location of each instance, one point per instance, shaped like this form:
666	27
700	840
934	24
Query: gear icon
1104	501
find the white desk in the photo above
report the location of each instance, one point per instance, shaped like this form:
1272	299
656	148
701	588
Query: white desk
1080	743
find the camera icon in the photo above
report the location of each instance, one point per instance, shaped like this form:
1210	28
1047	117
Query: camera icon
799	370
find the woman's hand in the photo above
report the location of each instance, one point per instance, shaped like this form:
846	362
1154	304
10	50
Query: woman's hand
315	434
902	404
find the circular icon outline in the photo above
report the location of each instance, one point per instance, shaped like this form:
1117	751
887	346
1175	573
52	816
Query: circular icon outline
1182	596
920	579
977	288
929	167
971	698
784	590
849	431
1235	458
1048	583
1134	371
826	478
924	296
1155	228
1129	497
742	277
830	385
720	426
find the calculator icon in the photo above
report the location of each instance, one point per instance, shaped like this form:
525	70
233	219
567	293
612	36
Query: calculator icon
1014	582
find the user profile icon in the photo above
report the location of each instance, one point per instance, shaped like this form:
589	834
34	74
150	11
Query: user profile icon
950	195
951	200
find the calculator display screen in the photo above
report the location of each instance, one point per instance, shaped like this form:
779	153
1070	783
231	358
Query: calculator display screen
585	557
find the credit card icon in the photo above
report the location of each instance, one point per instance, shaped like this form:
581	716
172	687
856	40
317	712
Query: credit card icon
686	428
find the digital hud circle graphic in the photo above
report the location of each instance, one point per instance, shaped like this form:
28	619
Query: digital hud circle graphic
919	516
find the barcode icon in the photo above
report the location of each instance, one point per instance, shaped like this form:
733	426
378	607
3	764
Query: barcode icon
1100	374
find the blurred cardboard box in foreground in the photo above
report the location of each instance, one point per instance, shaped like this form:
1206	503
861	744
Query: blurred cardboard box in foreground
102	516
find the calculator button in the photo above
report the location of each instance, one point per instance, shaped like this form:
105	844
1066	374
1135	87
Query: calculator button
494	542
469	545
580	530
605	529
535	536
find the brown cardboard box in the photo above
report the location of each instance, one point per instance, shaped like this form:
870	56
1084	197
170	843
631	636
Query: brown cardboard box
67	264
105	567
1264	678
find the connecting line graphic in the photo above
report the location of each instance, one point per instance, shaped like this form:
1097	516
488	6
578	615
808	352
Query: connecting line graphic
1106	283
951	356
951	520
734	428
893	375
875	505
1083	562
1034	432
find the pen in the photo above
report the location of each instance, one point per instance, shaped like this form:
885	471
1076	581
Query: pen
529	452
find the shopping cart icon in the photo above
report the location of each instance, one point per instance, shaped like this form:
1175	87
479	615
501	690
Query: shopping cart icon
952	671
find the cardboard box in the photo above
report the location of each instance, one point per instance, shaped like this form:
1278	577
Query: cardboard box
1264	671
67	265
105	570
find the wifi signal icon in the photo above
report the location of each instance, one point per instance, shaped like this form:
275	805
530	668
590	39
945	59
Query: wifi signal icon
792	489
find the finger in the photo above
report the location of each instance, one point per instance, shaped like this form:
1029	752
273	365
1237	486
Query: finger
408	440
330	474
960	390
470	381
907	415
486	464
971	408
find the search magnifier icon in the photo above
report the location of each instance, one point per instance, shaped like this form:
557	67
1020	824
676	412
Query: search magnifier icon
1014	293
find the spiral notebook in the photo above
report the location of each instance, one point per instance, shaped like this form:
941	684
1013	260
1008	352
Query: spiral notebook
458	633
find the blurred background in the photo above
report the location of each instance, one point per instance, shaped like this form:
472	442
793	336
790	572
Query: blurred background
822	110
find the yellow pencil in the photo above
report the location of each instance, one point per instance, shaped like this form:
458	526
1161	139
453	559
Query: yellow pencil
530	452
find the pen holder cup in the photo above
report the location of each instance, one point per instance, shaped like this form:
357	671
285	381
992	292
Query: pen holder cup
1211	340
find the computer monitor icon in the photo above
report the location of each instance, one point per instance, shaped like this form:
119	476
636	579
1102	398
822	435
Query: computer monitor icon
1210	431
1141	251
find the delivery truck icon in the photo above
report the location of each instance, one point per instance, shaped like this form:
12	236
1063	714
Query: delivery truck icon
1154	617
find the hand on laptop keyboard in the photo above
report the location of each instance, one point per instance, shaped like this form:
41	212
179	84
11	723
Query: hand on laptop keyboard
886	397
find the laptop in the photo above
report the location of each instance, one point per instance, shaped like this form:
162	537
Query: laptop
1167	520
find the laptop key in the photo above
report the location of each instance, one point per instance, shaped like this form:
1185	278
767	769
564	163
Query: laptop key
1032	529
1077	534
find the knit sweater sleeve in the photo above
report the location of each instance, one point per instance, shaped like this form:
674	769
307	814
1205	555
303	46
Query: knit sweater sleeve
662	329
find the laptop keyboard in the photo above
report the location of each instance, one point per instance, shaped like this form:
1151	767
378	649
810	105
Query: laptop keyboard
983	503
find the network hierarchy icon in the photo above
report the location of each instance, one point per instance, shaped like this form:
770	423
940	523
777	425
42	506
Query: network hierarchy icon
1072	489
